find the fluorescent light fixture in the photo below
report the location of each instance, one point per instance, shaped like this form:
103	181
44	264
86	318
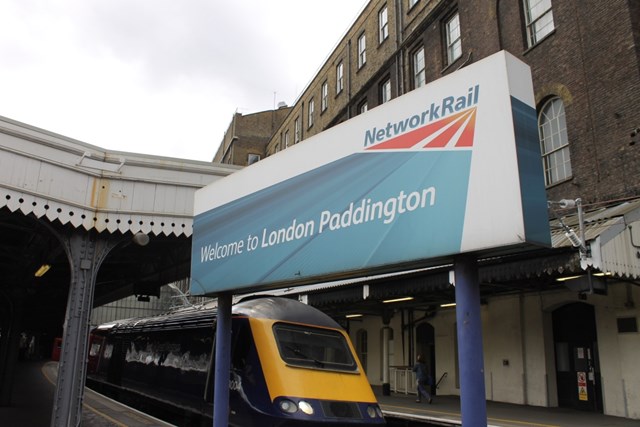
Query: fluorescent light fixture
451	304
602	273
43	269
353	316
564	279
397	300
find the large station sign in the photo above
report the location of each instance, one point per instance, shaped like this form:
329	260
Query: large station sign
450	168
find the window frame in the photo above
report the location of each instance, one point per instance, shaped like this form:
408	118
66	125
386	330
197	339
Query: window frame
419	72
296	130
363	107
339	78
362	50
556	160
383	24
256	156
311	107
453	45
535	36
324	96
385	91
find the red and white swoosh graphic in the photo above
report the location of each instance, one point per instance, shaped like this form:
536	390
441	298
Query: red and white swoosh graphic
454	131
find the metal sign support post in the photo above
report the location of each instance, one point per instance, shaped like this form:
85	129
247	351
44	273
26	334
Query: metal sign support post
473	402
223	361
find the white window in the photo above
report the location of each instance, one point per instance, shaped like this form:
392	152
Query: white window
539	18
324	96
286	139
296	131
419	73
412	3
383	24
363	108
252	158
339	77
362	50
312	107
554	142
385	92
454	42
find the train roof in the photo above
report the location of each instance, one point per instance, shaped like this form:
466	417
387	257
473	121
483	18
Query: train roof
204	316
287	310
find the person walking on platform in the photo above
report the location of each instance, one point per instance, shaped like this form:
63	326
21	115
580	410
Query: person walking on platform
423	379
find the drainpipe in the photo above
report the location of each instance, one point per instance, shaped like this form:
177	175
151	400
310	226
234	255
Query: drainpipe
385	360
348	77
399	53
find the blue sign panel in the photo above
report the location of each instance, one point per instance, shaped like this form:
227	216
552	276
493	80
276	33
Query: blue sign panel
412	180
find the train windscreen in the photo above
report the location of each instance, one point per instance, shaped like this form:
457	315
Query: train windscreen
314	348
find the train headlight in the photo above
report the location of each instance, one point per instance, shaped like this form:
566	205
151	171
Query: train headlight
374	411
288	406
305	407
371	411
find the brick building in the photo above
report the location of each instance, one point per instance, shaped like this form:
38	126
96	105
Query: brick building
247	136
548	315
585	62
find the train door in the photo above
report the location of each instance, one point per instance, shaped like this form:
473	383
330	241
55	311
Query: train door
425	345
577	364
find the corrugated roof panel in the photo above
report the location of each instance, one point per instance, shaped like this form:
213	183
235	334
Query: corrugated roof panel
621	255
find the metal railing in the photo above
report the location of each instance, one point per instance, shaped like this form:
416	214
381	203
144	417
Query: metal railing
403	379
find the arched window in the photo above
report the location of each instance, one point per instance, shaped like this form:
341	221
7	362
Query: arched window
554	142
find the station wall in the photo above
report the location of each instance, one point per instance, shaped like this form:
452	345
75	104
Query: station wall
519	349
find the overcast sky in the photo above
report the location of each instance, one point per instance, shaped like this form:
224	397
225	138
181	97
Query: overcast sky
160	77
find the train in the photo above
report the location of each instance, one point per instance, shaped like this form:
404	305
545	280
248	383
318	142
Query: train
291	365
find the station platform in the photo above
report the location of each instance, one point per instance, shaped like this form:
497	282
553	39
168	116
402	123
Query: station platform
34	386
445	411
32	402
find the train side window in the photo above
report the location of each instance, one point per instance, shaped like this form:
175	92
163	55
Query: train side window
108	351
95	349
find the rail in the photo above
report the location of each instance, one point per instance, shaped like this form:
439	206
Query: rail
403	379
441	378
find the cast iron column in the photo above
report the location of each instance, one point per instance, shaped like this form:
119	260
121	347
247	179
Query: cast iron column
85	251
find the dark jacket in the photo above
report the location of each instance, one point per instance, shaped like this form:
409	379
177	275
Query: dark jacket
422	373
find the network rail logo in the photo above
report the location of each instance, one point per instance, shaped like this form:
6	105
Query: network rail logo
447	124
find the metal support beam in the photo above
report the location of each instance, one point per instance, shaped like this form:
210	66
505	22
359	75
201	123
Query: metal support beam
473	403
223	362
86	252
